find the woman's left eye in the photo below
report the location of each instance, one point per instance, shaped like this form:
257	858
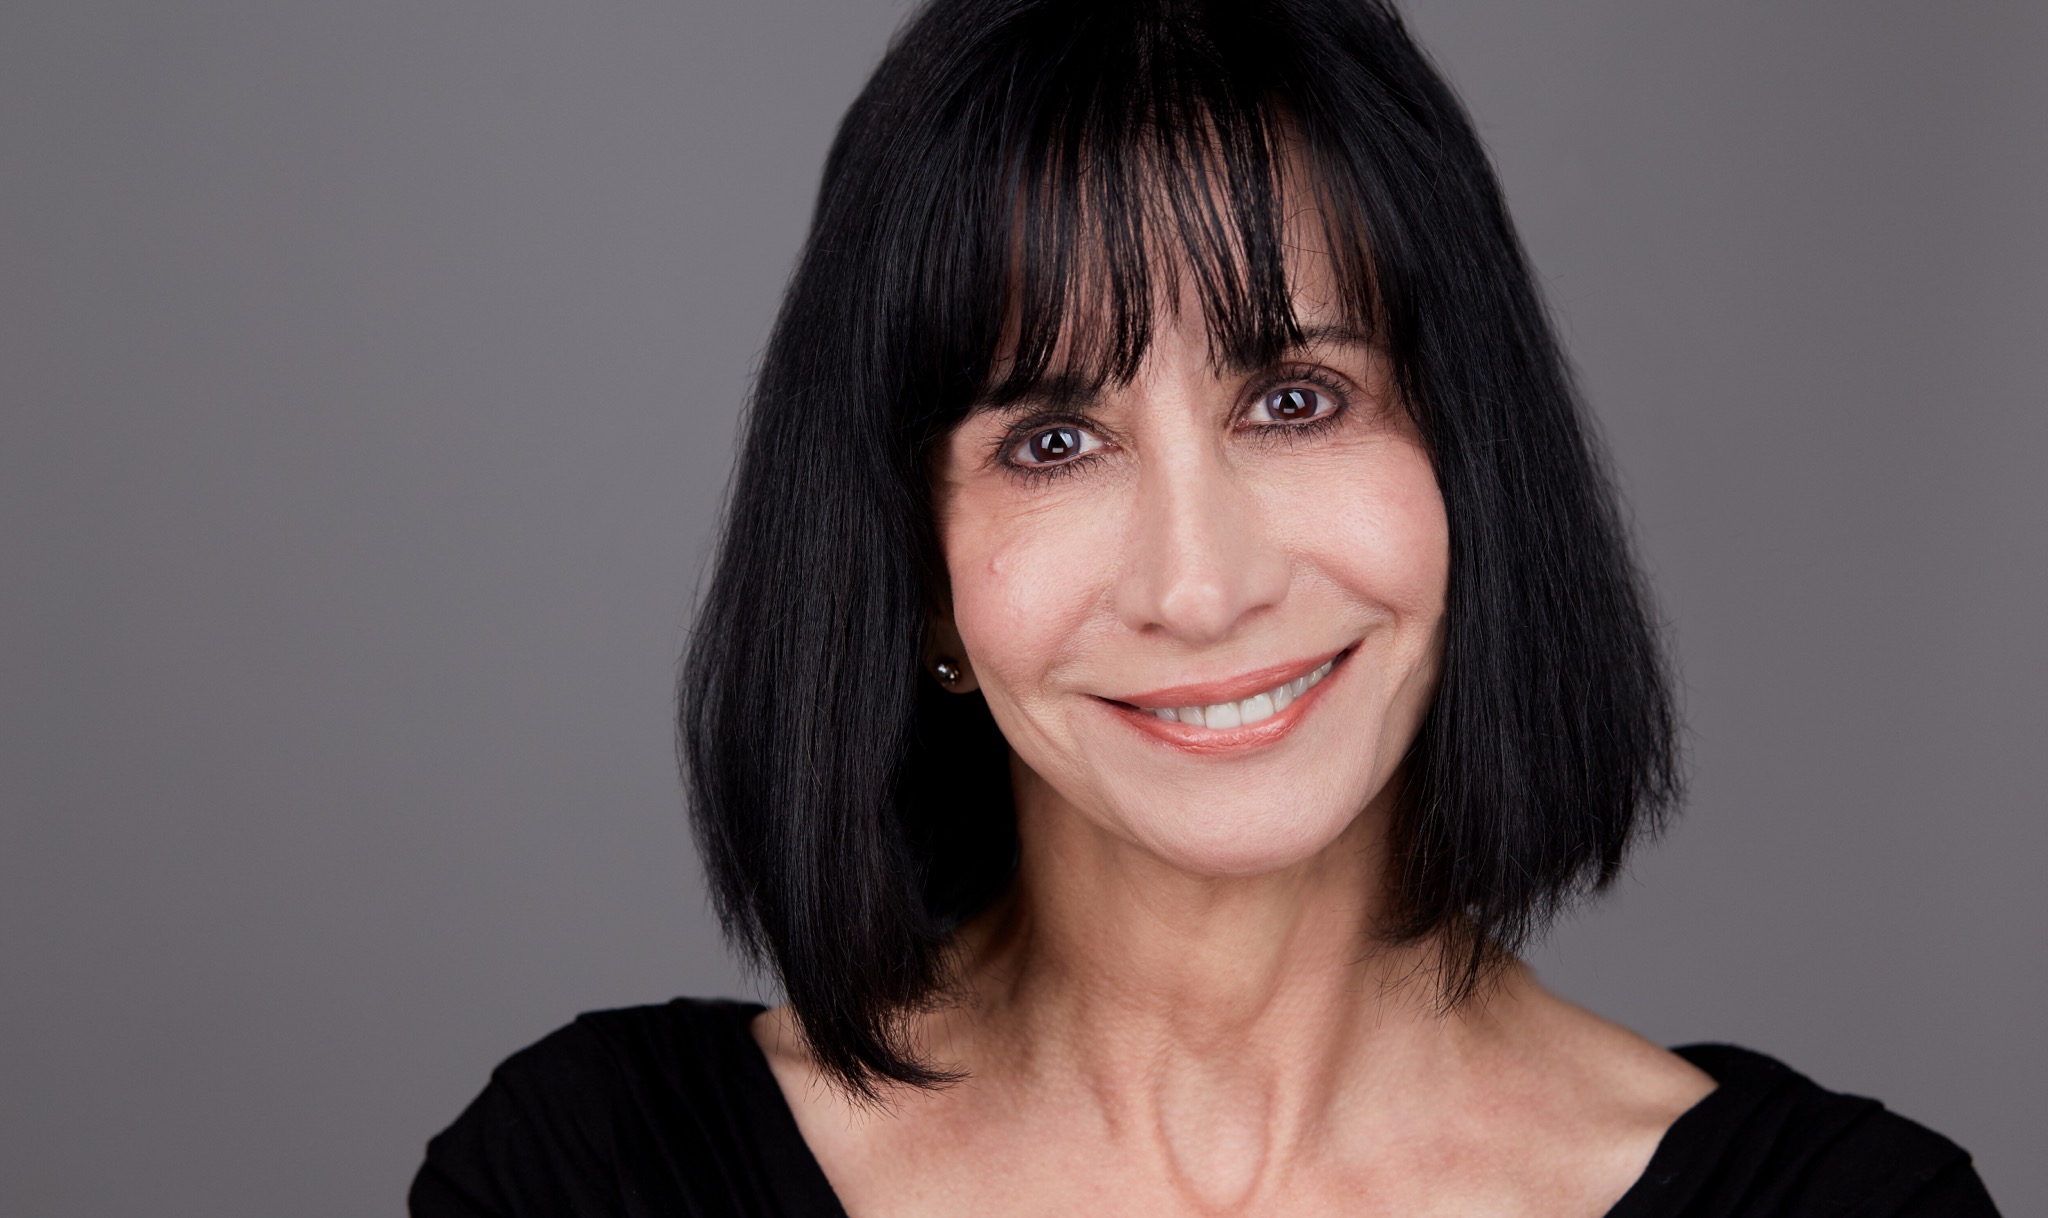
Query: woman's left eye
1293	404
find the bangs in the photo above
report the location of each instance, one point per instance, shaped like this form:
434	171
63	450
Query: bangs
1149	165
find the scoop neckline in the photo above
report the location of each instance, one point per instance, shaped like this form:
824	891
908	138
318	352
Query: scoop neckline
1699	1134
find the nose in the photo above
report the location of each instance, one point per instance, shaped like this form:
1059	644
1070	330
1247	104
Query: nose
1199	559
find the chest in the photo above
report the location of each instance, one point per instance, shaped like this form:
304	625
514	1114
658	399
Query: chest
1050	1162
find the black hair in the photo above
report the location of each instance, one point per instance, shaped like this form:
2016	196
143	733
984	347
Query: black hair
1021	178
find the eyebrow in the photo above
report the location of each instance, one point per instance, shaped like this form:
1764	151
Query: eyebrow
1067	390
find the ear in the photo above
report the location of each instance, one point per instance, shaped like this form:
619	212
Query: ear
943	651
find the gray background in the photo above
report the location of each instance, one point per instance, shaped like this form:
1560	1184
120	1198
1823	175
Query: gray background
369	372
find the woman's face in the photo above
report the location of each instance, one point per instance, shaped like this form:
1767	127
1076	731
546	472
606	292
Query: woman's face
1204	607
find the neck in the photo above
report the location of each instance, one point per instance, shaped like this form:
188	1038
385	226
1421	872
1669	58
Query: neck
1220	1019
1098	924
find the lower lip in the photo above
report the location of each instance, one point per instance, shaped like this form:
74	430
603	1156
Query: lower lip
1190	739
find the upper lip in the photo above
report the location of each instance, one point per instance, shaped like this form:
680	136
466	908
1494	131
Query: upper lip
1229	689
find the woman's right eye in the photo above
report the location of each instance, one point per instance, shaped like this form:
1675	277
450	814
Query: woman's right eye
1050	446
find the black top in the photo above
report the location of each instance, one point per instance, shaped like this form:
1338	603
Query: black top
668	1111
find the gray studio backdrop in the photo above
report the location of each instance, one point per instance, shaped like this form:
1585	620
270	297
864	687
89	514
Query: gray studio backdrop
369	372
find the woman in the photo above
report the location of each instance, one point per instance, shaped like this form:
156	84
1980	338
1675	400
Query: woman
1172	645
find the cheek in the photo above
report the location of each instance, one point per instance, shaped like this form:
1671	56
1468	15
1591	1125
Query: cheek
1373	527
1024	579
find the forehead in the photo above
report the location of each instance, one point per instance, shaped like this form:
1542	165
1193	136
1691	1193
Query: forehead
1095	276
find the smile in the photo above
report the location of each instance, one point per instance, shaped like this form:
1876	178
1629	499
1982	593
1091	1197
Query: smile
1244	712
1251	710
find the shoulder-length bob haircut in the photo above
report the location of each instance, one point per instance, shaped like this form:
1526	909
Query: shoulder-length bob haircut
1016	186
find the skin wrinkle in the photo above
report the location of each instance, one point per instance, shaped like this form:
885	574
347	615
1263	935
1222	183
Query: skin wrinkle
1182	1006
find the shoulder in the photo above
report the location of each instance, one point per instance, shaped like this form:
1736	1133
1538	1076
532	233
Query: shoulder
605	1063
635	1110
1769	1140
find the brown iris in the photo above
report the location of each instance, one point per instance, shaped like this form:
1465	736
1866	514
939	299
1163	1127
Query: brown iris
1290	404
1056	444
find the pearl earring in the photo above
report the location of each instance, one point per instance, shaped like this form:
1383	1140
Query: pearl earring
947	671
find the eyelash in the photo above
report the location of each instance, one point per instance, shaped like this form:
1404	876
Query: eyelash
1028	428
1290	433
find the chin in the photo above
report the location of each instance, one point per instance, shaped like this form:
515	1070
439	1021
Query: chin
1236	840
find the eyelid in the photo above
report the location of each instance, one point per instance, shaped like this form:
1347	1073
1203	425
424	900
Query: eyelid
1019	433
1338	387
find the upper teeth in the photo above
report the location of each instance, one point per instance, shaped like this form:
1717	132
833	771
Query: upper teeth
1246	711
